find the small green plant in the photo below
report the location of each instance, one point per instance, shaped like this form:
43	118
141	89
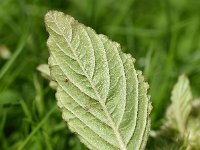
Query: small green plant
104	99
181	129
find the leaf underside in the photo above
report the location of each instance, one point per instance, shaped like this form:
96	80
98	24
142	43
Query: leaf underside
102	97
180	108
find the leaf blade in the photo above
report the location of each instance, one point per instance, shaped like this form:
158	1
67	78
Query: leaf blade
104	97
180	108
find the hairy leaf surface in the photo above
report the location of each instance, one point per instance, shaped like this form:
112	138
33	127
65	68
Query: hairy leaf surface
181	106
102	97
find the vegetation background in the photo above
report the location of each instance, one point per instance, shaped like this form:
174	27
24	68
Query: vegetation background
163	35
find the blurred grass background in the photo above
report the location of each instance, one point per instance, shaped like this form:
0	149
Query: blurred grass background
163	35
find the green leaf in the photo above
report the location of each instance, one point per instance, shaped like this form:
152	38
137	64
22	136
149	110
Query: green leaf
102	97
45	72
181	106
182	128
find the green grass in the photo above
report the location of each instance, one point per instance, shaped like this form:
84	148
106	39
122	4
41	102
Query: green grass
163	35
